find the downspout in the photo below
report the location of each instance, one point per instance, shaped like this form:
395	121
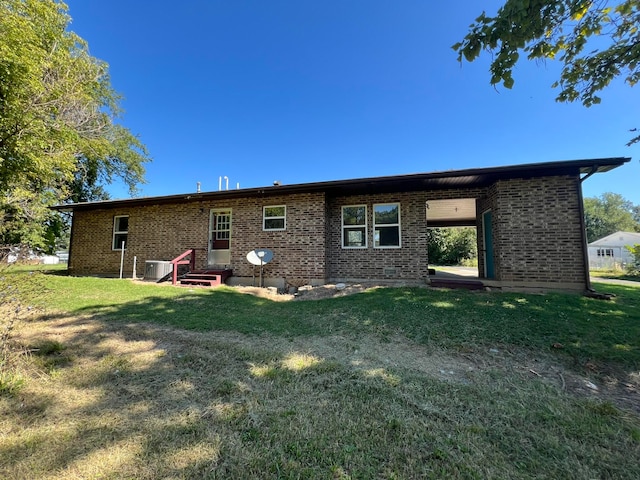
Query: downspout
426	227
583	228
71	241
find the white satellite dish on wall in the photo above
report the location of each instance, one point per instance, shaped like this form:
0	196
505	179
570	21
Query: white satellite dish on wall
259	256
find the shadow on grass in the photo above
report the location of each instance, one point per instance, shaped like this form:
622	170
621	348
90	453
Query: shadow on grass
585	329
148	402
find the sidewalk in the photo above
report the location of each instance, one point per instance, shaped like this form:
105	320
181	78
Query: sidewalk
615	281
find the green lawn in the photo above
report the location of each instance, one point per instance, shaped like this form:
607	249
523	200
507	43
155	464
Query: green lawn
133	380
588	329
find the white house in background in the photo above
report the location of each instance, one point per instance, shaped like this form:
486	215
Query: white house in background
610	251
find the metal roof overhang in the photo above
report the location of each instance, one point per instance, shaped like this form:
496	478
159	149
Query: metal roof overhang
469	178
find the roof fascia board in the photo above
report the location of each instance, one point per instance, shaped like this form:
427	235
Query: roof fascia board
469	178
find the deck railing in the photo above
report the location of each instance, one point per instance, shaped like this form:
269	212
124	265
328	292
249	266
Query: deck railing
180	260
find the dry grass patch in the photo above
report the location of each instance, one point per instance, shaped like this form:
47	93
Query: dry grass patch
137	381
141	401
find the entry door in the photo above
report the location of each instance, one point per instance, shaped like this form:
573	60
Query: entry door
489	271
220	237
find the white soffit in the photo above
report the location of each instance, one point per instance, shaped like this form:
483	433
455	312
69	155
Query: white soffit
456	209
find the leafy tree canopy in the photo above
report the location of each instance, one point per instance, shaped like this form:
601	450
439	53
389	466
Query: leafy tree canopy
451	246
608	214
59	140
595	40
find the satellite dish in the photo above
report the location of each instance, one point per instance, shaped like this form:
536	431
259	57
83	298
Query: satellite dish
260	256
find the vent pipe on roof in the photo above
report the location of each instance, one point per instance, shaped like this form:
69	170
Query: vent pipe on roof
226	180
219	183
197	187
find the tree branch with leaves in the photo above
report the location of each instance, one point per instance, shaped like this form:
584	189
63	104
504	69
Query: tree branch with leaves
58	120
595	41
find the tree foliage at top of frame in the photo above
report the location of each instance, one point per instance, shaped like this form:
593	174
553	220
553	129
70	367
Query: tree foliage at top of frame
595	41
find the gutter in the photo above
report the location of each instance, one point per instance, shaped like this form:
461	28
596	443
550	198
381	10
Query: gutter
476	177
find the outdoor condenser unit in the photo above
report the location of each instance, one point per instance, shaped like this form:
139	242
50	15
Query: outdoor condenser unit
154	270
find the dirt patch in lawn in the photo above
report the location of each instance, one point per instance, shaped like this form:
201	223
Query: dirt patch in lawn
116	400
85	340
307	292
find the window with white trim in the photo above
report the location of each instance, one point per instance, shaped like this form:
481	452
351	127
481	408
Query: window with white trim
605	252
354	226
274	218
120	231
386	225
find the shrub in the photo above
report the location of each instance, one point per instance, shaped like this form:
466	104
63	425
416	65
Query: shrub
634	267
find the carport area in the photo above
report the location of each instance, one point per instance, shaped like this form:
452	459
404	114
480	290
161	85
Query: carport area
456	277
456	273
447	213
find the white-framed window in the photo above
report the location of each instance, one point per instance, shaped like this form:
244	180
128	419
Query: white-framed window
354	226
120	231
222	225
386	225
274	217
605	252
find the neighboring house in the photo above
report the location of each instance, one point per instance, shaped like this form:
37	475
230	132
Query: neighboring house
609	252
529	222
12	254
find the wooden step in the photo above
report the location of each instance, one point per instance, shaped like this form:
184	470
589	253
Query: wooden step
204	276
211	278
200	281
455	283
223	273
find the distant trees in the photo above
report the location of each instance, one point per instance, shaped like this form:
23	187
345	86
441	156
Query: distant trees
452	246
609	213
59	139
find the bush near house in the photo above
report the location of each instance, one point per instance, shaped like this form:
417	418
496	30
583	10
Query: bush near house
634	268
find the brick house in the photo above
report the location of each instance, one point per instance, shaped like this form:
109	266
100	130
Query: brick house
529	222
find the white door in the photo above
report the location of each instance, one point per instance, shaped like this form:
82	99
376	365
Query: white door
220	237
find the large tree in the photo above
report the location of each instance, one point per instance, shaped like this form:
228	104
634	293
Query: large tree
59	136
594	40
607	214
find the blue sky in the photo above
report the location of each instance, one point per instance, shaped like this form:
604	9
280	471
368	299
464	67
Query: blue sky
313	91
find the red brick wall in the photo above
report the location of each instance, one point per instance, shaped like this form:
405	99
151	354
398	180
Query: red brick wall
162	232
409	262
299	254
536	234
537	231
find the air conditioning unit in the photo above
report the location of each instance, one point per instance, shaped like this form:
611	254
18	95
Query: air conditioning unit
155	270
